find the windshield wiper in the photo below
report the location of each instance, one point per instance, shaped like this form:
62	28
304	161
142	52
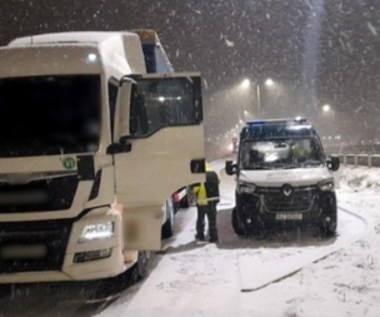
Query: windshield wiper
313	163
257	167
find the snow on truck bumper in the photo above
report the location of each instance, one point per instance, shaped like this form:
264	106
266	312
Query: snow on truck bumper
72	250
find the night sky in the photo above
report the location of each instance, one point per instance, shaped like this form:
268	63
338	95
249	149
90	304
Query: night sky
317	51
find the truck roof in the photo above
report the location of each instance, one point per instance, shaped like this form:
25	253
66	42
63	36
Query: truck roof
138	46
69	38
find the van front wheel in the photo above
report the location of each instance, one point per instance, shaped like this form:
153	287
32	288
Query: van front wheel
237	224
328	228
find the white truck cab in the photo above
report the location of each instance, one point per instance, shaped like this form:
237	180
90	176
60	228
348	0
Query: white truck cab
283	177
96	132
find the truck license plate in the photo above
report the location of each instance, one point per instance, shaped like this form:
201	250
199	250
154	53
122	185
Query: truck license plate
289	216
17	252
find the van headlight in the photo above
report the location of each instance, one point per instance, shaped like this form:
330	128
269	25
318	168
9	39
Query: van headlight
246	188
327	185
97	231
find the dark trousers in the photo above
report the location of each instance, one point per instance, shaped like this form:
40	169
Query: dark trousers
210	211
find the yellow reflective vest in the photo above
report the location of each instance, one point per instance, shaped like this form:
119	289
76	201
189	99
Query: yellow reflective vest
201	193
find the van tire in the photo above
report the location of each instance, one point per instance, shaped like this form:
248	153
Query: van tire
329	229
237	224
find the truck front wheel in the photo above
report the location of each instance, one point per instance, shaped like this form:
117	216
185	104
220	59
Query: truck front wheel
167	229
140	269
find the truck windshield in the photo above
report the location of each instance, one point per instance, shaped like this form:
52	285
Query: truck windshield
281	153
48	115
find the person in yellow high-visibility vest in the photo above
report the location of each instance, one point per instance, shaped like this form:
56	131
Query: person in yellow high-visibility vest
207	198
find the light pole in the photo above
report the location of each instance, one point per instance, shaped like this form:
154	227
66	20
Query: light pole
258	99
246	84
328	114
268	83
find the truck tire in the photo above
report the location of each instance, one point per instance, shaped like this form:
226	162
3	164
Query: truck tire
142	264
184	203
189	199
167	229
237	224
110	288
140	269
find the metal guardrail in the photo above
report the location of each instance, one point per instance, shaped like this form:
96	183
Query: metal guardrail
369	160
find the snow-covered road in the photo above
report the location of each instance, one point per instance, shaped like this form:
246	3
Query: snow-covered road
196	279
289	274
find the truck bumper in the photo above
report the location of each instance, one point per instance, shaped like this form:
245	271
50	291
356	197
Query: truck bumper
66	258
93	270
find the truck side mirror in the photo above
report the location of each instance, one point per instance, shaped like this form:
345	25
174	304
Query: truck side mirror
231	168
122	111
333	163
117	148
198	166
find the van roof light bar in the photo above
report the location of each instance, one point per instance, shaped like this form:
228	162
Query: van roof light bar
292	121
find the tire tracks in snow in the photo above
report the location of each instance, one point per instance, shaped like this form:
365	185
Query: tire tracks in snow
294	264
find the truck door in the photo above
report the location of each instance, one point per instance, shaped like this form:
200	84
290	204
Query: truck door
165	150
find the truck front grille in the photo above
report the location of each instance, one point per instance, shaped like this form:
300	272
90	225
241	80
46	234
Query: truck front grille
52	236
301	199
40	195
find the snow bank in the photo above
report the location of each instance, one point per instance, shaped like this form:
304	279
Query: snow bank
360	179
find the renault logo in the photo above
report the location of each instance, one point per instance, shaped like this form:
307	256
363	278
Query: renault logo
287	190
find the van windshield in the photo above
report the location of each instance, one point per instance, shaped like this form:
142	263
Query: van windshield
281	153
48	115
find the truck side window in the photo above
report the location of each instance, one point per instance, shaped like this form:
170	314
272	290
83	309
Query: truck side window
112	96
165	102
139	124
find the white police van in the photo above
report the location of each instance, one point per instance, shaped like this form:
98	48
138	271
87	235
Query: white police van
283	177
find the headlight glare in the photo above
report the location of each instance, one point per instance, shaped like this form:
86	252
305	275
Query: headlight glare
246	188
326	186
97	231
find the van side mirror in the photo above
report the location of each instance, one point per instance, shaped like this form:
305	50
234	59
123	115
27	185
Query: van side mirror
333	163
231	168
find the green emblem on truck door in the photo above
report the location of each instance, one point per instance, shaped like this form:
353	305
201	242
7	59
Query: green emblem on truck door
69	163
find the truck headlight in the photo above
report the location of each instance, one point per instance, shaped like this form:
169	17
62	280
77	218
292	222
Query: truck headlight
97	231
246	188
326	186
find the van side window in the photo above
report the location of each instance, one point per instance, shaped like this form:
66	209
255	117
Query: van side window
112	96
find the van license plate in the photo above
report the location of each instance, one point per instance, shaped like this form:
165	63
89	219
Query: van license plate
289	216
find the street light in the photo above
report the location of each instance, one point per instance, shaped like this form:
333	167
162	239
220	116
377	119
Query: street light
269	82
245	83
326	108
